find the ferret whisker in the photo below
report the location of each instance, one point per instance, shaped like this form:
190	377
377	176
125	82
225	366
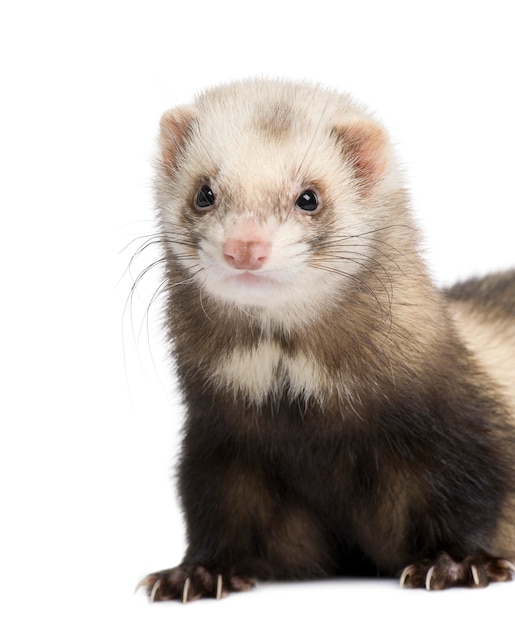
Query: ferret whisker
377	249
200	291
153	240
367	234
130	298
372	232
371	236
144	272
129	304
246	312
367	263
136	254
162	287
139	238
145	322
353	278
310	146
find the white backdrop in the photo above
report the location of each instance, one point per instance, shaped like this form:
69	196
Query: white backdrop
89	418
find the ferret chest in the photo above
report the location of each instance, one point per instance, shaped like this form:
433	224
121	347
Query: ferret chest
266	369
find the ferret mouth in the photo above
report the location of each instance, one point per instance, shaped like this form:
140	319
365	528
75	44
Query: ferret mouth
263	288
251	279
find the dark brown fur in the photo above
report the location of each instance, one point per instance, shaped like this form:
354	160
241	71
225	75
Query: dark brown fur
412	466
493	295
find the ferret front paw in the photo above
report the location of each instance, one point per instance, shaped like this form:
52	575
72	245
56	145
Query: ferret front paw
186	583
443	572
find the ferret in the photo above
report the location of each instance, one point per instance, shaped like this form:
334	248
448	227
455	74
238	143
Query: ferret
344	416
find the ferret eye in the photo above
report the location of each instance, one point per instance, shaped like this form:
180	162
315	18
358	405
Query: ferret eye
307	201
205	198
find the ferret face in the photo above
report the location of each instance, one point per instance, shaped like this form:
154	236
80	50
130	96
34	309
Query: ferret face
270	194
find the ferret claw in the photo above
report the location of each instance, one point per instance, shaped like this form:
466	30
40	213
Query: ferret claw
141	584
154	591
507	564
429	577
406	574
186	590
475	575
219	587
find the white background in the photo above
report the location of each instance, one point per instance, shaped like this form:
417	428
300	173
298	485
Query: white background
89	419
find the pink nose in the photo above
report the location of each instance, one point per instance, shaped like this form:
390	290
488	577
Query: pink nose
246	255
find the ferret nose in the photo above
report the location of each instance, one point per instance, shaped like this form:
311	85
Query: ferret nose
246	255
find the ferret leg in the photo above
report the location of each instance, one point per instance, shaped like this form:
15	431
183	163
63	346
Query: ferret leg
227	506
444	572
186	583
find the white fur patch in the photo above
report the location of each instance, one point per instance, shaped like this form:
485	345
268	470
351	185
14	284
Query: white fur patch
252	371
265	370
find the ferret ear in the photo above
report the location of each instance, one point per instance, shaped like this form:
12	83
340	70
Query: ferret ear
176	127
365	145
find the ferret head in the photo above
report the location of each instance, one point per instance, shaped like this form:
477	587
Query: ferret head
270	193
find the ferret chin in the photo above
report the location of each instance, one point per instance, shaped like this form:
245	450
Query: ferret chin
344	417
